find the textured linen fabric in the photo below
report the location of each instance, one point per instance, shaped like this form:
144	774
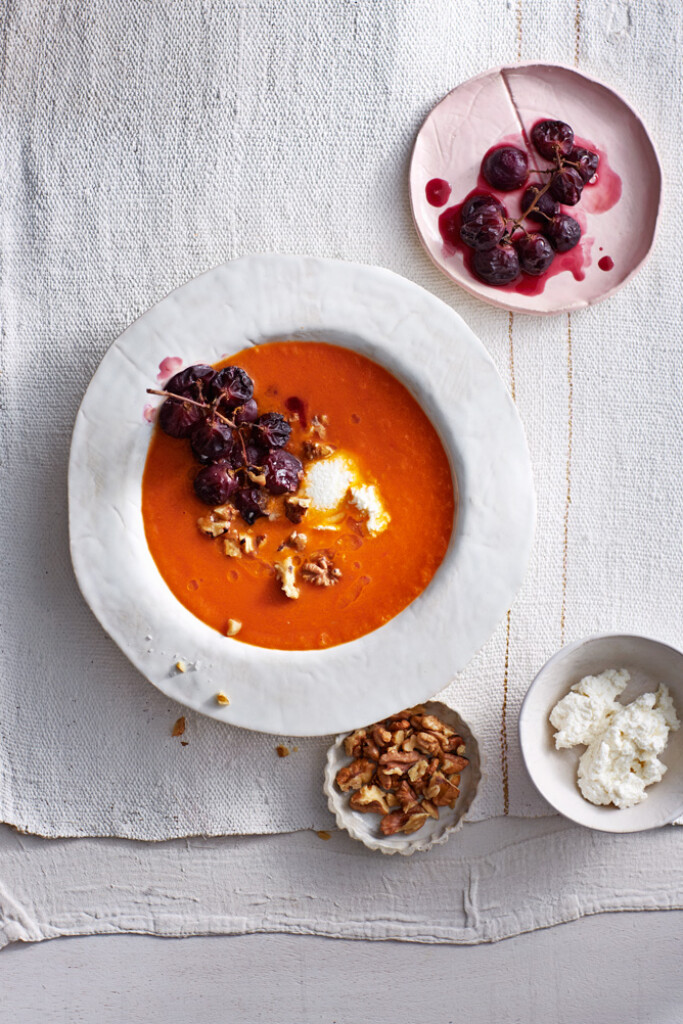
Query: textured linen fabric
493	880
142	144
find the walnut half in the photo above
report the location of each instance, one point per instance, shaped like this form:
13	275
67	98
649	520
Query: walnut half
320	571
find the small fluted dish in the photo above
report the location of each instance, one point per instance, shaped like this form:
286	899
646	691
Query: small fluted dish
554	772
365	827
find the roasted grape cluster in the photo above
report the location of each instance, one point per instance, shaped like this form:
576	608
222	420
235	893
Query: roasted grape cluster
243	454
503	247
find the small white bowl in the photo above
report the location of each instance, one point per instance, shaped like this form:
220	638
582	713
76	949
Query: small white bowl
553	772
365	827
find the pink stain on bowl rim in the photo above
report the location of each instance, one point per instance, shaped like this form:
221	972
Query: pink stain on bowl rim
167	367
149	413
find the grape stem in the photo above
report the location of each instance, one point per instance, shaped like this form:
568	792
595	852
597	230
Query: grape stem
191	401
518	223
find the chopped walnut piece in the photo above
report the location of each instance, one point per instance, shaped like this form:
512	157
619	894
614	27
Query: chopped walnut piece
257	478
371	750
407	797
392	822
451	763
431	723
222	699
316	450
389	780
282	751
246	542
431	809
319	426
369	799
356	774
415	821
213	527
232	548
320	571
460	749
399	757
428	743
225	512
353	743
381	736
441	791
417	770
178	726
286	573
296	508
295	540
233	627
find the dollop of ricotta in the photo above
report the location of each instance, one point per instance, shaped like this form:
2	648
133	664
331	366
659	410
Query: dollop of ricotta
335	488
623	741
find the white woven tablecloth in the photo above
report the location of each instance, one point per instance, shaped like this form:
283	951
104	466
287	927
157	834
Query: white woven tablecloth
142	144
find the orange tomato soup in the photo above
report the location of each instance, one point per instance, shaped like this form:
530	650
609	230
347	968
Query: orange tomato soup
370	415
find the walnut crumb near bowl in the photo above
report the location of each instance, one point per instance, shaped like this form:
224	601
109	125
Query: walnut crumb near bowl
404	784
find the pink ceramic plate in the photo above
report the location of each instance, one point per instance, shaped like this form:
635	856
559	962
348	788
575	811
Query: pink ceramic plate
617	212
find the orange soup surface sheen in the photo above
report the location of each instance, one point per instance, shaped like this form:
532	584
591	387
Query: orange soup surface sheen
370	415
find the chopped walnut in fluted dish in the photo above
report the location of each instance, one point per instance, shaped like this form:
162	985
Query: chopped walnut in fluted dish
403	768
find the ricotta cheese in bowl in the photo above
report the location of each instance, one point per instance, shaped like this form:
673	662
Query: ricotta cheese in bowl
602	744
623	741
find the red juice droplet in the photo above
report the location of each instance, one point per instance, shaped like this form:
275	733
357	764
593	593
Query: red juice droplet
606	263
437	191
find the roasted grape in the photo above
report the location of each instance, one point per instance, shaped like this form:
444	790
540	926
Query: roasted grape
496	266
535	254
546	206
215	484
178	419
250	502
283	472
551	138
273	429
567	186
474	203
563	232
483	225
586	160
192	382
211	440
233	386
505	168
247	413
